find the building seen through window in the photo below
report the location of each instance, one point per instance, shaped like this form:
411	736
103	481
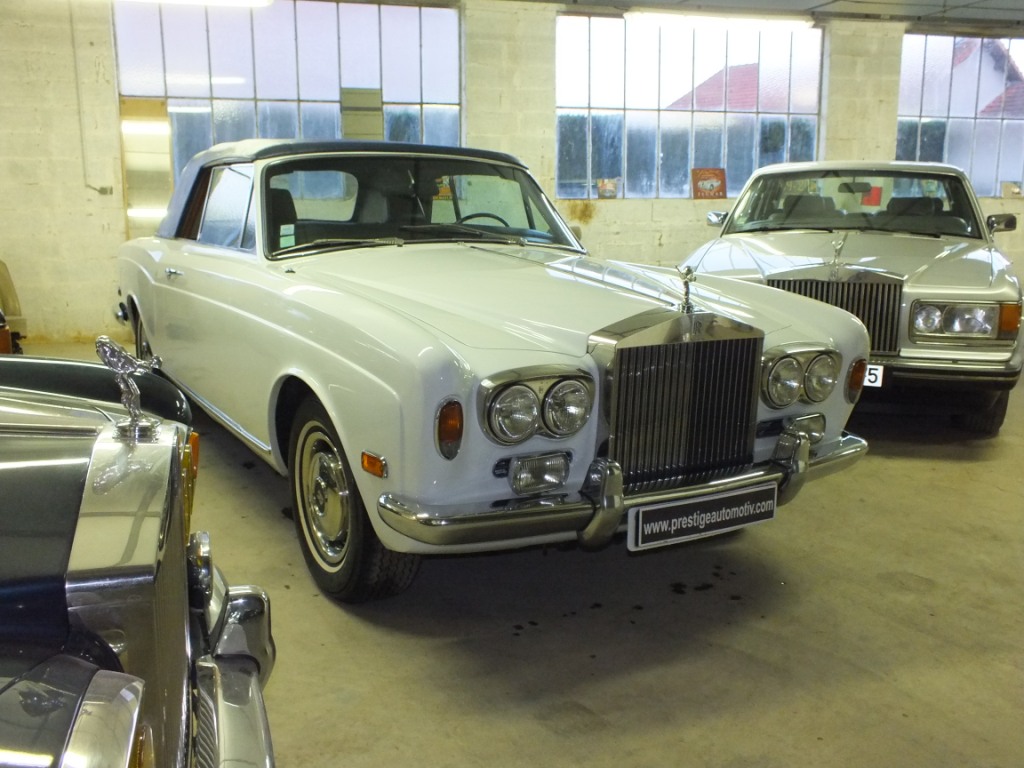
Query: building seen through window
643	100
962	102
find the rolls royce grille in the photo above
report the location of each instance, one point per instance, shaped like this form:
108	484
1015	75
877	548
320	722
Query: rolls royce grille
683	411
876	304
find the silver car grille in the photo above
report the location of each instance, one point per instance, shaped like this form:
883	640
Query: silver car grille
683	412
876	304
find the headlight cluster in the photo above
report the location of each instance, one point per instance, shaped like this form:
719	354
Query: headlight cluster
808	375
552	405
966	321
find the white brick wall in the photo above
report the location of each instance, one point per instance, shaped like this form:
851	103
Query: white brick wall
61	196
61	202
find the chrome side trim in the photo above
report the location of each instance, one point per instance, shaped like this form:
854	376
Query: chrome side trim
592	520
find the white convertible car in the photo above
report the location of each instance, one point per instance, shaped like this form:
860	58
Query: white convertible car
419	342
906	248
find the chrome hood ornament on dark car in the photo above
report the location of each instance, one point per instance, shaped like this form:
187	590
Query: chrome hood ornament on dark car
137	426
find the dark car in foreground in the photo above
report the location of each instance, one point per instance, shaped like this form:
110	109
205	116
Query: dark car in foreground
121	644
906	248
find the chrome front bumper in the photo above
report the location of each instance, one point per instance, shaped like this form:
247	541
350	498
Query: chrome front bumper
597	514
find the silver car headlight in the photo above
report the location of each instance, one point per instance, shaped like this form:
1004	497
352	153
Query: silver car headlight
545	400
821	377
514	414
783	381
797	372
566	407
939	319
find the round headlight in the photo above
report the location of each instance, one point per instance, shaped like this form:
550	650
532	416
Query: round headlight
821	377
927	319
973	321
782	385
514	414
566	407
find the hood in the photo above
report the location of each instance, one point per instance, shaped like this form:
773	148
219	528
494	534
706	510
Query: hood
918	260
45	454
488	296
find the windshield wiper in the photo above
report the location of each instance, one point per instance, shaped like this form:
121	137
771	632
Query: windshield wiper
340	243
464	229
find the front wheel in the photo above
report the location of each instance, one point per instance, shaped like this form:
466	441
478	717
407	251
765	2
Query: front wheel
341	549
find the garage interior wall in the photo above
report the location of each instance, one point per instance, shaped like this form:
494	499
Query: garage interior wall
62	202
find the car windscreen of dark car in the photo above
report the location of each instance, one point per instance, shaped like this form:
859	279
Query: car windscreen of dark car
334	201
932	205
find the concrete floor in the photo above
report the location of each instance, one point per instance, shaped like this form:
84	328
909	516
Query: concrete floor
876	622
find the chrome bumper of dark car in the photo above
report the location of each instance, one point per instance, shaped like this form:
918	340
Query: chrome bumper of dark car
597	516
231	720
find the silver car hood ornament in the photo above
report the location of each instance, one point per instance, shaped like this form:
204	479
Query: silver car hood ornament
137	426
688	275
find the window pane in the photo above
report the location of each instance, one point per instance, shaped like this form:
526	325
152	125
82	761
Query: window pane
233	119
140	61
803	138
186	62
676	66
400	53
573	180
641	154
772	142
984	161
964	88
441	125
231	63
359	30
642	59
402	123
606	145
742	72
316	26
191	130
773	77
709	74
278	119
607	72
806	83
933	141
572	57
320	121
227	206
675	154
907	139
707	140
440	55
1011	159
739	151
937	67
273	30
911	74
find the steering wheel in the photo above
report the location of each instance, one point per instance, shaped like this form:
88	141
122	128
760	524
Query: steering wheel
482	215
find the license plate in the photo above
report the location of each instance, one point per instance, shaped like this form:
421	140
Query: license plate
873	377
657	525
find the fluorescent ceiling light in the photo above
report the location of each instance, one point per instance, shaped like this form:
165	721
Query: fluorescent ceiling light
145	128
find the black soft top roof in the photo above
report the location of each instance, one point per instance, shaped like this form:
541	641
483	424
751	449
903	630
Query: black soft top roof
250	150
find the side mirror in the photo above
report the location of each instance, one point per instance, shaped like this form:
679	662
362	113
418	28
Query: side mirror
1001	222
717	218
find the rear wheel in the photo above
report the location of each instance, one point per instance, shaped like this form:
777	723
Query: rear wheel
340	547
143	351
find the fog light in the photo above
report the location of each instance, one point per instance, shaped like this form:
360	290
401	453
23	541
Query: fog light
811	426
537	474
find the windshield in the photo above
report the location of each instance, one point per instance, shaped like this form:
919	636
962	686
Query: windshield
328	201
931	205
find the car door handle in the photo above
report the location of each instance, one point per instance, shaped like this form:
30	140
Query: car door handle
172	272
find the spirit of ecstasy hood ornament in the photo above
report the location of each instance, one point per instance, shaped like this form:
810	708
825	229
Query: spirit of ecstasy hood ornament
688	276
117	359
